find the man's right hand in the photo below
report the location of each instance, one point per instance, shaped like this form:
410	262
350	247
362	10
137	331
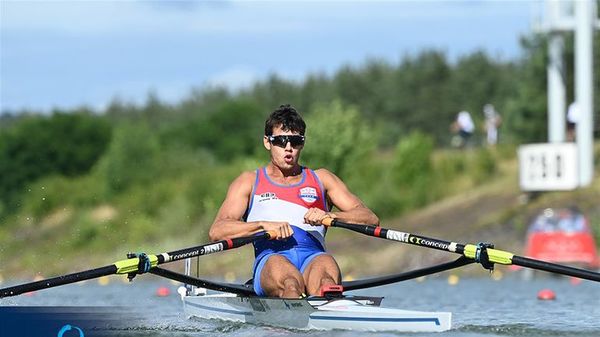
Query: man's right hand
283	230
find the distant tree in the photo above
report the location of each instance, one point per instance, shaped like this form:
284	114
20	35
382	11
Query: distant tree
369	88
316	89
132	157
273	92
526	112
421	100
63	143
232	129
337	137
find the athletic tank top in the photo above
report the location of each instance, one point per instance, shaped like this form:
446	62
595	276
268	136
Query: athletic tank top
274	202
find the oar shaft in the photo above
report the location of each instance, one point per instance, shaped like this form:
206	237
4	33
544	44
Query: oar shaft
555	268
131	265
57	281
210	248
469	251
416	240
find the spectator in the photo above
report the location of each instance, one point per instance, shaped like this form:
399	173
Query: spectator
572	118
491	124
463	127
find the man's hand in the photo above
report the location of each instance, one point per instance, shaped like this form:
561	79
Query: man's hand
314	216
283	230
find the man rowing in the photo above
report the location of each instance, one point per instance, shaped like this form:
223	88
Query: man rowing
292	201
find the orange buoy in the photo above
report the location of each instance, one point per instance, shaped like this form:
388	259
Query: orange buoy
546	295
162	292
575	281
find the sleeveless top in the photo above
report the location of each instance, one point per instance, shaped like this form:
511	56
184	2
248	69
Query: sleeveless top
274	202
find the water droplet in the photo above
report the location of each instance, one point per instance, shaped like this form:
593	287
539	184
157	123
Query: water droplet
44	198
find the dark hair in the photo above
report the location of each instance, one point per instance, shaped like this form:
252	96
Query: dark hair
288	118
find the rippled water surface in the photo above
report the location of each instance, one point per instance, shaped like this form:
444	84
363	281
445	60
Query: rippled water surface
480	307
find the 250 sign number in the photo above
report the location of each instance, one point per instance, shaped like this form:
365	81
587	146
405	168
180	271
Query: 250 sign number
548	167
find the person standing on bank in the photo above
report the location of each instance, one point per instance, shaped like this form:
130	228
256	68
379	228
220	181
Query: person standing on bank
293	201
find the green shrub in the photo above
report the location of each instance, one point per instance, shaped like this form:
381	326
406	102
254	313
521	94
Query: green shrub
412	172
484	165
412	159
132	157
337	138
35	146
451	163
49	193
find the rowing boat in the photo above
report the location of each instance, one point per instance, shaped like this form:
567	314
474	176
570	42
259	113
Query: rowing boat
240	303
347	312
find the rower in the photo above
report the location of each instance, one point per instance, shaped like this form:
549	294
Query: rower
293	201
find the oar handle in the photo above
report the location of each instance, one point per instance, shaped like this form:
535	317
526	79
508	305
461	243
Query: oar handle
328	221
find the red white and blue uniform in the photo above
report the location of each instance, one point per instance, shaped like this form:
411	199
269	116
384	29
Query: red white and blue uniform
270	201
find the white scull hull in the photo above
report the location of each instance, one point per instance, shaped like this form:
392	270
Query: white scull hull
349	313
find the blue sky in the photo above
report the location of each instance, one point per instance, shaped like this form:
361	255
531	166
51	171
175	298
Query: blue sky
71	53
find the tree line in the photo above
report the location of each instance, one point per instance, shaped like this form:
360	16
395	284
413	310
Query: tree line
357	109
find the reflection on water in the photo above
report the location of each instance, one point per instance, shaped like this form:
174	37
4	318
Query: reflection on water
480	307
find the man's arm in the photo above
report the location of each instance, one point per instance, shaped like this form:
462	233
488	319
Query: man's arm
228	223
351	208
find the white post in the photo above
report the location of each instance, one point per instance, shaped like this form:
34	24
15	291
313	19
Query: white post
556	90
583	88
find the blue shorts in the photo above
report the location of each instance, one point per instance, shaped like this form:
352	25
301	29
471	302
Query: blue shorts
300	257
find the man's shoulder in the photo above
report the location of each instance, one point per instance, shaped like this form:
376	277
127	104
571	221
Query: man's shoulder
243	183
322	172
246	177
325	175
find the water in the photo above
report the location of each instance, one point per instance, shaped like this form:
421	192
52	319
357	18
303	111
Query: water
480	307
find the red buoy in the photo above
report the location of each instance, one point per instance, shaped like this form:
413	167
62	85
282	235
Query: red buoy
575	281
546	295
162	292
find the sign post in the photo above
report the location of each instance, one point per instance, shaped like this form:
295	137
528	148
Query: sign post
548	167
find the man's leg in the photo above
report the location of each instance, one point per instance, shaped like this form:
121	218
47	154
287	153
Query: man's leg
280	278
322	270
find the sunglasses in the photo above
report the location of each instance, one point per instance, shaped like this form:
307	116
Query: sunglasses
295	140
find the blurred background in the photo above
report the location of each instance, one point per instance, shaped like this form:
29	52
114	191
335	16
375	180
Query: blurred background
123	122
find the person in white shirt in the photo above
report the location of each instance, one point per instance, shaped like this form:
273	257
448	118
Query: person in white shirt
464	127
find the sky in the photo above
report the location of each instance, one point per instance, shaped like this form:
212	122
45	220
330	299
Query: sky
66	54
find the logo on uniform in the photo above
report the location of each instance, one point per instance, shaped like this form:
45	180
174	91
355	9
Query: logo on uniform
267	196
309	194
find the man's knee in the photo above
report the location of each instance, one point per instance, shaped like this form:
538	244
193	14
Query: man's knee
327	280
280	278
293	284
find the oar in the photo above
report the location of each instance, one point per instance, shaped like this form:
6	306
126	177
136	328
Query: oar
131	266
482	253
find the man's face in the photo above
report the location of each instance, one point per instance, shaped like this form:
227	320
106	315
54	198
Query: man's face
285	151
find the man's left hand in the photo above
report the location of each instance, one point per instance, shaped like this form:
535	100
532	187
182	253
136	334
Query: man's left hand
314	216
